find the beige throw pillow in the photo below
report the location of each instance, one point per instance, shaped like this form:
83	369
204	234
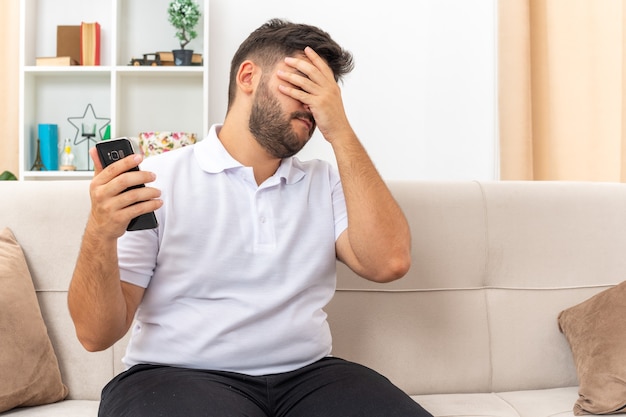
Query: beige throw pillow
29	368
596	332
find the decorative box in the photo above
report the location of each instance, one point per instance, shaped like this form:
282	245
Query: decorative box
154	143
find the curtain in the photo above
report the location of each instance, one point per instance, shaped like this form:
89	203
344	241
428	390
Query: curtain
562	86
9	102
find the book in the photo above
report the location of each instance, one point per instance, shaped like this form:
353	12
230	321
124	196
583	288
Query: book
68	42
90	43
55	61
167	58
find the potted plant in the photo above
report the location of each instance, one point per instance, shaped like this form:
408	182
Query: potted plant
184	16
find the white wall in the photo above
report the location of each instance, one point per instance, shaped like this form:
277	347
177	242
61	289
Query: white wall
422	96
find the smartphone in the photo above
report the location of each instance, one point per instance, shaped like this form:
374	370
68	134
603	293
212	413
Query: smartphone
110	151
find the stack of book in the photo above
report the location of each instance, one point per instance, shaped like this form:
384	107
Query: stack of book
76	45
68	48
167	58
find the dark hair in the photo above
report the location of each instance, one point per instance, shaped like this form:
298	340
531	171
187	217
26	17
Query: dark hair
277	39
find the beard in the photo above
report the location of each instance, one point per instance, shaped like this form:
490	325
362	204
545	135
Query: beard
271	129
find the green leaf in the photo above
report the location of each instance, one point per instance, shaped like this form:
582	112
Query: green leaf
7	176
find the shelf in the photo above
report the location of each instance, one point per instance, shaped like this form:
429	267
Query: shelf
57	175
131	99
78	70
171	70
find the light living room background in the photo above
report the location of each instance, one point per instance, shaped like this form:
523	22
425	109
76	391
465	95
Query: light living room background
422	96
454	89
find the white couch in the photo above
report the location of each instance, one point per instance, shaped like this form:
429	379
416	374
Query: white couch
470	331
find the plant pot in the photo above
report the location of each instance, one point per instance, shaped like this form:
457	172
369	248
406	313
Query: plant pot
182	56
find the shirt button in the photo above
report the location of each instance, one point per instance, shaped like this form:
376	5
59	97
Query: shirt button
262	219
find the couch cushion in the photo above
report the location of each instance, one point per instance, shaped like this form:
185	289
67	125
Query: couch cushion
465	405
58	211
556	402
67	408
30	371
596	332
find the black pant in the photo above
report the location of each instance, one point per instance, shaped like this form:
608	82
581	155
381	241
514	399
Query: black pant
331	387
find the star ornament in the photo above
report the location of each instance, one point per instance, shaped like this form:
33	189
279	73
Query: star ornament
88	118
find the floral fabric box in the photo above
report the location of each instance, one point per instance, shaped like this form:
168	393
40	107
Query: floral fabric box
154	143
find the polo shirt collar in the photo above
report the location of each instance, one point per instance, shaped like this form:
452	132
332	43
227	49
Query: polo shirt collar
214	158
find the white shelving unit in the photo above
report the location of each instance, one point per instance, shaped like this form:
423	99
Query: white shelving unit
135	98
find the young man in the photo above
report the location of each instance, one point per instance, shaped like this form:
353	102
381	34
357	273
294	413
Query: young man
227	294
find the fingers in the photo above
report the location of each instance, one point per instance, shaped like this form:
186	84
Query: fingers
305	84
115	214
315	68
299	85
119	167
118	194
128	189
311	81
115	176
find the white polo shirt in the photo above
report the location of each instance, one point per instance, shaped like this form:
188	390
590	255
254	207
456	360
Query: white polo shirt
237	275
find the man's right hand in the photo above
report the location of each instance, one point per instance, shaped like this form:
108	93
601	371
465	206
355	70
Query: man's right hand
112	209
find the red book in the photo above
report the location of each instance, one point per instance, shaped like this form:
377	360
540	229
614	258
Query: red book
90	43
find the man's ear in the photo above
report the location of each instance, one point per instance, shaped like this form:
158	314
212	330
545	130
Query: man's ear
247	76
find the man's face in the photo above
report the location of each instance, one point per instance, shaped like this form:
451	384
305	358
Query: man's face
282	133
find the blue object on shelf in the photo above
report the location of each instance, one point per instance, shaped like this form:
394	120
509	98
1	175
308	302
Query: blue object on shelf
49	146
